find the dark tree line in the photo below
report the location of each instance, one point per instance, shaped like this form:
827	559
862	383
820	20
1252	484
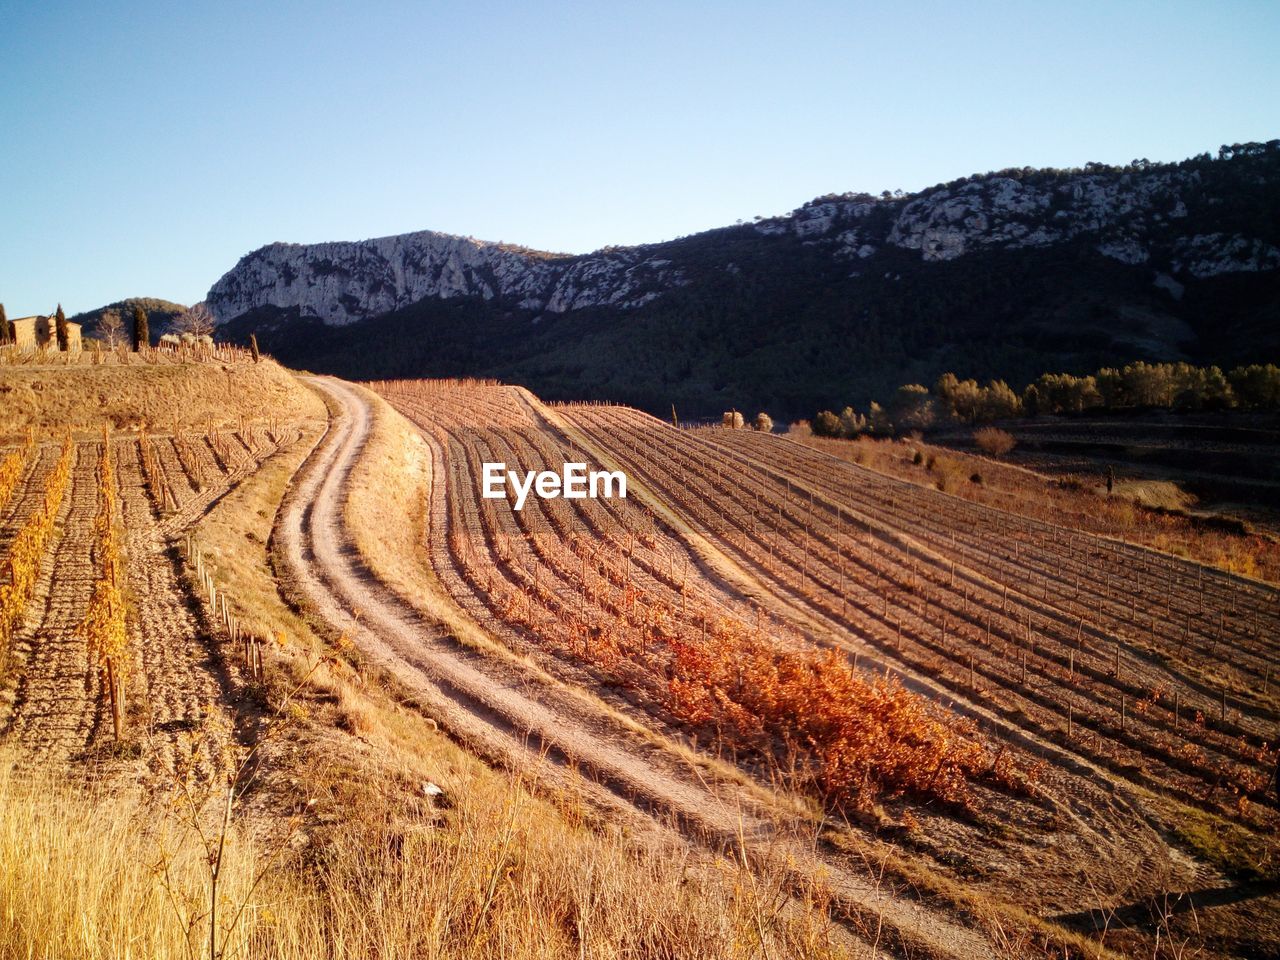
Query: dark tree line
1136	386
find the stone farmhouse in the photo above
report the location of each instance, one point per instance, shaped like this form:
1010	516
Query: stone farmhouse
32	333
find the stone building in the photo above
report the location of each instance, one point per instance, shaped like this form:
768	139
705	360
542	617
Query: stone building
31	333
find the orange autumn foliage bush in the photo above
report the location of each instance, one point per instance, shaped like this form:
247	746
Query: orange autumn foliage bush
855	739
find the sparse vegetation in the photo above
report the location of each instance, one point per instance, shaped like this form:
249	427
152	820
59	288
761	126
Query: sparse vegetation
111	329
195	322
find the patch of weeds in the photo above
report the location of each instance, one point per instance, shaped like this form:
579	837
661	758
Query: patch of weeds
1228	846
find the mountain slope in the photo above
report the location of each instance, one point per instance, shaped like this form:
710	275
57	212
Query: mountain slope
1002	274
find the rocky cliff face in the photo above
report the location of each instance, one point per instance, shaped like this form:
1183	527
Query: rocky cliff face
344	282
1184	222
1131	216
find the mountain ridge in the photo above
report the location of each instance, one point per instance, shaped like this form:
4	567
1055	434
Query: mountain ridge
1141	257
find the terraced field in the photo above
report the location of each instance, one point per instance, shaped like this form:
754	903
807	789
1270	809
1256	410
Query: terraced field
1096	675
52	705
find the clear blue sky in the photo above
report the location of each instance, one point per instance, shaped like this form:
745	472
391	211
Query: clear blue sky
145	147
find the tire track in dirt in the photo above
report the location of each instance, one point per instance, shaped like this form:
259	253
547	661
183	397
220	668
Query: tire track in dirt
528	723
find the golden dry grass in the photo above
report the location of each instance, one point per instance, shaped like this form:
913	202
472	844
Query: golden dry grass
494	876
85	397
389	492
1161	494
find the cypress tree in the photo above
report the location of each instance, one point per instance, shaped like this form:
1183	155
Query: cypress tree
60	323
4	326
253	346
141	332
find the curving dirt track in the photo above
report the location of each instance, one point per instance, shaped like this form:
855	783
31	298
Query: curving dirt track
531	723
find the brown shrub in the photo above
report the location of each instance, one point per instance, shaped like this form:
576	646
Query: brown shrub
994	441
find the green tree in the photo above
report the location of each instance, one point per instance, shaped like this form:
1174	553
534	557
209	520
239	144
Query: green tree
944	391
4	325
1110	387
1064	393
878	419
852	423
826	424
1216	389
1257	387
968	401
998	402
1031	401
141	331
1201	388
1148	384
60	327
911	407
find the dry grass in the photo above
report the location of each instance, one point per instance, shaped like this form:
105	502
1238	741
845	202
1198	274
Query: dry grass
85	397
994	441
234	538
494	876
1158	494
389	492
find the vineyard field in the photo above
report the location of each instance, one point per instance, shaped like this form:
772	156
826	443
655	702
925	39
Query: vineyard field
933	725
768	603
127	498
